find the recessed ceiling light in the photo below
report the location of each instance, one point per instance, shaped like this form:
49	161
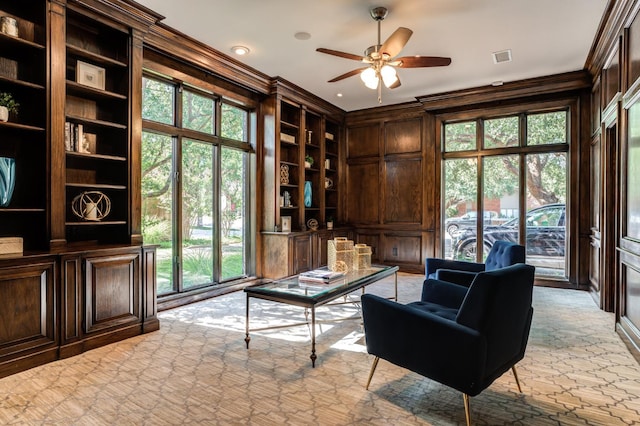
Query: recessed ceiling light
240	50
339	95
302	35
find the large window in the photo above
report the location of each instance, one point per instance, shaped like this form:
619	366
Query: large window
195	151
507	181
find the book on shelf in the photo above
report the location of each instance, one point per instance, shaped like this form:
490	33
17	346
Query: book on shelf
76	139
321	276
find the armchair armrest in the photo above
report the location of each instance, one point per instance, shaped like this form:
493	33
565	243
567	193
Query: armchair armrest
464	278
423	342
432	264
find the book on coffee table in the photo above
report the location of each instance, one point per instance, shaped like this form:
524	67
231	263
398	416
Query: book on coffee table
321	276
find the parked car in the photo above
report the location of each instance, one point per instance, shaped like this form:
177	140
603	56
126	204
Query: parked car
545	234
468	220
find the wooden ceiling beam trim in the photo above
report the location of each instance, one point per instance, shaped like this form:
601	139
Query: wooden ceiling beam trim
577	80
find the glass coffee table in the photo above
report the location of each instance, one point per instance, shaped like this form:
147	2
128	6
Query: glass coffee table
311	295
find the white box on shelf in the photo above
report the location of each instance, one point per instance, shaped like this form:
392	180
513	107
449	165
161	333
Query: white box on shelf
285	223
90	75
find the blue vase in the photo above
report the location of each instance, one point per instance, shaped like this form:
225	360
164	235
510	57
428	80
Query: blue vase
7	180
307	193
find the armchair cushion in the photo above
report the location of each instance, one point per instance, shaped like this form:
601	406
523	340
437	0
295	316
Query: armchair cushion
443	293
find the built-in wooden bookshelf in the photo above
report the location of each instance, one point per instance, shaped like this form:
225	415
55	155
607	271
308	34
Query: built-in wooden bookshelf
80	282
303	131
303	135
23	70
96	127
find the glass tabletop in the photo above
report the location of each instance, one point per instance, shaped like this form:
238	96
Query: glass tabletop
292	288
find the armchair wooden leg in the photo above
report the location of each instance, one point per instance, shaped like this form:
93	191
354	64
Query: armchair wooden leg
373	368
516	376
466	408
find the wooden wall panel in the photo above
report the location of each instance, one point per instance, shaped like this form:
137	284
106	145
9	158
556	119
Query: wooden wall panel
596	107
632	296
363	193
363	141
402	248
403	192
611	78
71	299
403	137
149	289
631	176
633	64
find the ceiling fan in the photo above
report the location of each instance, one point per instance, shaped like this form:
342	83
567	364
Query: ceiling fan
381	58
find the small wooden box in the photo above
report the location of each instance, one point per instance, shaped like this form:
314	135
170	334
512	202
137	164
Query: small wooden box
10	245
287	138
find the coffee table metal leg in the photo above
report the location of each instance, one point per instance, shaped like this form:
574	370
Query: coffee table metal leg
247	339
313	337
395	277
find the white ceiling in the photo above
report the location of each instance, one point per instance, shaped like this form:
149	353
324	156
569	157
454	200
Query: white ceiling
545	36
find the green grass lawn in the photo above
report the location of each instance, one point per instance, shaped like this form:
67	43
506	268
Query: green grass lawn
197	269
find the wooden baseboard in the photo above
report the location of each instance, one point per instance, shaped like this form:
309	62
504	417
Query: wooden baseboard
630	335
28	361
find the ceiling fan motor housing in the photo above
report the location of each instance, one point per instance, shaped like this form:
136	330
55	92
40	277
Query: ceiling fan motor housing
378	13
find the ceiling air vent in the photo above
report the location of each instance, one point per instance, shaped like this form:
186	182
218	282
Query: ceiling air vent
502	56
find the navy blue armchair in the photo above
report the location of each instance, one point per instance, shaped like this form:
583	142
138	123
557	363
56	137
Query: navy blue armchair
462	337
502	253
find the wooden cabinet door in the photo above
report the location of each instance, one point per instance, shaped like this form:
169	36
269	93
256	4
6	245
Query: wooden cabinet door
302	254
112	290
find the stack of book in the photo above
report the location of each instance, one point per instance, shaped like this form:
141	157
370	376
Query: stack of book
321	276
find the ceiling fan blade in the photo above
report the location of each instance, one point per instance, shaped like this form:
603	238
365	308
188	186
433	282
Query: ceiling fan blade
395	85
340	54
396	41
423	61
347	75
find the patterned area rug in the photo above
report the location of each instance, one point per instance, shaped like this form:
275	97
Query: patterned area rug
197	370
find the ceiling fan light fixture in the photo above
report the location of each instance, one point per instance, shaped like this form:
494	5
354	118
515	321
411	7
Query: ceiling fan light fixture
370	78
389	75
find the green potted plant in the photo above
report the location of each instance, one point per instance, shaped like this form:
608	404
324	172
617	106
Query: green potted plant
329	222
7	105
308	161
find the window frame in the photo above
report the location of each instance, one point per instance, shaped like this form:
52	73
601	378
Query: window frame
179	134
522	110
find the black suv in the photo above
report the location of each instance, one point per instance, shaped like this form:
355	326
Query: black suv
468	220
545	234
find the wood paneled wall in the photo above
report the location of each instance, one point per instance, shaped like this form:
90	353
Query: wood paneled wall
388	179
